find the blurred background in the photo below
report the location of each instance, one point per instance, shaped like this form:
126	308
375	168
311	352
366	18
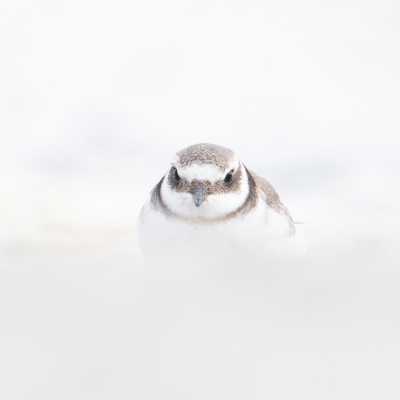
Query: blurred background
95	99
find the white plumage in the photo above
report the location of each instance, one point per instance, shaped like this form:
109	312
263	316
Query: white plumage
209	207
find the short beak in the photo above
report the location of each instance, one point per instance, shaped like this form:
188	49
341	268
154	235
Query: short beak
199	194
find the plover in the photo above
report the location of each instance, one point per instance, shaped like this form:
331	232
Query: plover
209	205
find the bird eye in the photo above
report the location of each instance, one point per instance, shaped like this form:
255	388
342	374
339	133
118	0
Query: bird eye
176	175
228	178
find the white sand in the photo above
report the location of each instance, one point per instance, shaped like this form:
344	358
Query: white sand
95	97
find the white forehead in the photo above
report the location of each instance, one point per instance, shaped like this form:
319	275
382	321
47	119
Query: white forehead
206	172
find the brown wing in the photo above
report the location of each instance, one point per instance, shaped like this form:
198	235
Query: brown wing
272	199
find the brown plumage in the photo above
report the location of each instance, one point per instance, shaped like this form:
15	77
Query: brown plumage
272	199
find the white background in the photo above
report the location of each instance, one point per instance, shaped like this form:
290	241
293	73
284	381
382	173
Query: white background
96	97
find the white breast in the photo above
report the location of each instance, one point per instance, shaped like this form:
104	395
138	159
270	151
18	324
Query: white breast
260	234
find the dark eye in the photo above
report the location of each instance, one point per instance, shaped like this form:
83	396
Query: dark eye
176	175
228	178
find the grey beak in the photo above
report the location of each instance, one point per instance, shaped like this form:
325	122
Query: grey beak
199	194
